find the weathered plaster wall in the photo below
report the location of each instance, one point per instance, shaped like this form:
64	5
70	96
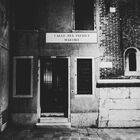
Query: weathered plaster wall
4	64
24	119
56	16
25	43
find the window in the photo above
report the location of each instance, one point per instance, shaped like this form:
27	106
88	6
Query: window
22	84
84	14
132	61
84	76
25	14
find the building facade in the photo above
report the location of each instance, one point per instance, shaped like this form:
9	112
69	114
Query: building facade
75	63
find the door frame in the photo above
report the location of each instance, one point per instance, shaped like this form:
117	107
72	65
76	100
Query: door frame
38	86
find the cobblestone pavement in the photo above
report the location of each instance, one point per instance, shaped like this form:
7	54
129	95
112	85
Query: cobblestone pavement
69	134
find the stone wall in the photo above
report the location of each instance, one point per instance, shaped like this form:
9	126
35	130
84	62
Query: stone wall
4	63
119	106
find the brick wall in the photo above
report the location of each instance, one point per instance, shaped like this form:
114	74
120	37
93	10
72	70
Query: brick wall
110	39
130	23
118	31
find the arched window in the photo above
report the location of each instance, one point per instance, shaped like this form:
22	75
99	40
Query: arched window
132	61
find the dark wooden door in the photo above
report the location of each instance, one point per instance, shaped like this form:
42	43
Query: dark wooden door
54	85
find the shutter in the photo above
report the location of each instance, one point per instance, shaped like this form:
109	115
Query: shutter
84	76
23	76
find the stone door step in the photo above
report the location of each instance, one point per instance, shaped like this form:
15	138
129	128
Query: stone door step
52	114
53	125
53	120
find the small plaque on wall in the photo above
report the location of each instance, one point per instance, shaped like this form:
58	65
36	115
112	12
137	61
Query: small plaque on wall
106	65
112	9
71	37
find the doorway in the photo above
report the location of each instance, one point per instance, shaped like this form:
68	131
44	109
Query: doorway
54	87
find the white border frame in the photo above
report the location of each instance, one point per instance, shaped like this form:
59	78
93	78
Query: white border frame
93	76
14	77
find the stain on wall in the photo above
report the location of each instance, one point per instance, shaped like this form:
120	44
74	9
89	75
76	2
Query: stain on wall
56	16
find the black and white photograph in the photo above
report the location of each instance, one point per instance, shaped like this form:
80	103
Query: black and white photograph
69	69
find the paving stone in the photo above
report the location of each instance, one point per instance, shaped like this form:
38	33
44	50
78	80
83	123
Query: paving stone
118	139
48	138
91	131
94	138
130	139
83	135
47	135
20	136
82	131
84	138
75	134
57	134
75	138
101	133
65	134
64	138
32	139
40	139
56	138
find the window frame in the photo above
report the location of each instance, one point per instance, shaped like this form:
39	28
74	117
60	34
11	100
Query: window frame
127	72
15	58
93	76
94	19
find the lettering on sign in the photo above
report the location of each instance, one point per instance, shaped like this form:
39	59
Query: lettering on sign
71	37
